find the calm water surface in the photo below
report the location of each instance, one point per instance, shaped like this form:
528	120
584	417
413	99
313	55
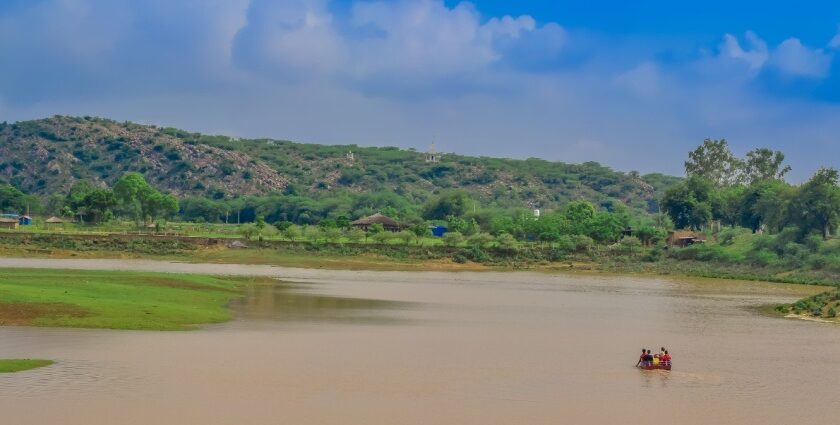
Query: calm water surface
335	347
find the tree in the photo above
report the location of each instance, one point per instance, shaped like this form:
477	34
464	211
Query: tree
333	235
630	245
134	192
382	237
763	164
770	202
578	214
260	225
11	198
480	240
649	235
96	206
290	232
406	236
449	204
605	227
816	206
376	228
715	162
687	203
420	230
355	235
248	231
453	238
506	241
727	204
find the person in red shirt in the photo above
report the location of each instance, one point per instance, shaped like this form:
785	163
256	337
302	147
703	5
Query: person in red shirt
666	358
642	357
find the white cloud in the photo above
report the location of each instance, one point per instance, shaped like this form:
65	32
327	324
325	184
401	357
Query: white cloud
792	58
391	44
642	80
755	55
834	43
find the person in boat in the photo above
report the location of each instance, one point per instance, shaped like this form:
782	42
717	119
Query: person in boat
648	359
641	358
666	358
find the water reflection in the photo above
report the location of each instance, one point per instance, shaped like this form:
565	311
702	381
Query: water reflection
295	302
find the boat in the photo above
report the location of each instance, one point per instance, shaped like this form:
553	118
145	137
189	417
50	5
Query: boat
656	366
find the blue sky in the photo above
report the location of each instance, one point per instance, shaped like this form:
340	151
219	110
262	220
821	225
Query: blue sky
633	85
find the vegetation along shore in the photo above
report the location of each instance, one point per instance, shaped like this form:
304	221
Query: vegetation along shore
105	189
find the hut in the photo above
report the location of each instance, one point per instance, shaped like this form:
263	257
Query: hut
25	220
684	238
8	223
438	231
387	223
55	222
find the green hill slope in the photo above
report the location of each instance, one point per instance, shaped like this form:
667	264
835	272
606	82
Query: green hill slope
47	156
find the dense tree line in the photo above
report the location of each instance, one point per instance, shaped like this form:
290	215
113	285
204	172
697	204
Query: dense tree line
751	193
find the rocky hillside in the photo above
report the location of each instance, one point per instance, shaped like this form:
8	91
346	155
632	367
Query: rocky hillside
47	156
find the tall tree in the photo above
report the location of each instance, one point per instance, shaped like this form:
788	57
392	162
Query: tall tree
816	205
688	203
764	164
714	161
133	191
11	198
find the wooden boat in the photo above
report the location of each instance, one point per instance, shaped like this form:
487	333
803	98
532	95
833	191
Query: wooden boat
656	366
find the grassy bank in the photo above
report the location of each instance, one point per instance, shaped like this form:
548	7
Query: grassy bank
19	365
115	300
733	257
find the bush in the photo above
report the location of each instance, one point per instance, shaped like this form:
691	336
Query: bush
480	240
763	257
727	236
453	238
583	243
459	258
476	254
630	245
655	253
506	241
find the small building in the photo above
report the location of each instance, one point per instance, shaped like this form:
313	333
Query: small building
387	223
349	155
8	223
25	220
56	221
438	231
432	154
684	238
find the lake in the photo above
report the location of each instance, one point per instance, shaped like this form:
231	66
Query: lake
357	347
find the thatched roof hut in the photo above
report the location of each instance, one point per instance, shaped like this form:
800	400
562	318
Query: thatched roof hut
387	223
683	238
56	220
8	223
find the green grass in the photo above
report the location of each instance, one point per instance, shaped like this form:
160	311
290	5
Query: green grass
18	365
115	300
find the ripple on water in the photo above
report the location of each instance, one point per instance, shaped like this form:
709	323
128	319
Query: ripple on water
70	376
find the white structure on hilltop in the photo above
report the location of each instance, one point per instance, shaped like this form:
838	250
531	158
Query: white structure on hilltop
432	155
349	155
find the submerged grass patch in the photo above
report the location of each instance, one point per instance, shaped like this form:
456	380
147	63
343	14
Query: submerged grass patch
19	365
115	300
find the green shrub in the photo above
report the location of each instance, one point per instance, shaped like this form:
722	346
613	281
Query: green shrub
583	243
763	257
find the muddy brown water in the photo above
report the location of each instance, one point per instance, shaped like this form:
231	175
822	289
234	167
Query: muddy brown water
353	347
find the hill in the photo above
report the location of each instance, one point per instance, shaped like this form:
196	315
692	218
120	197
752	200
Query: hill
47	156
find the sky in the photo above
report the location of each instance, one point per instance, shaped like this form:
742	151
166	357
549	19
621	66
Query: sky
632	85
